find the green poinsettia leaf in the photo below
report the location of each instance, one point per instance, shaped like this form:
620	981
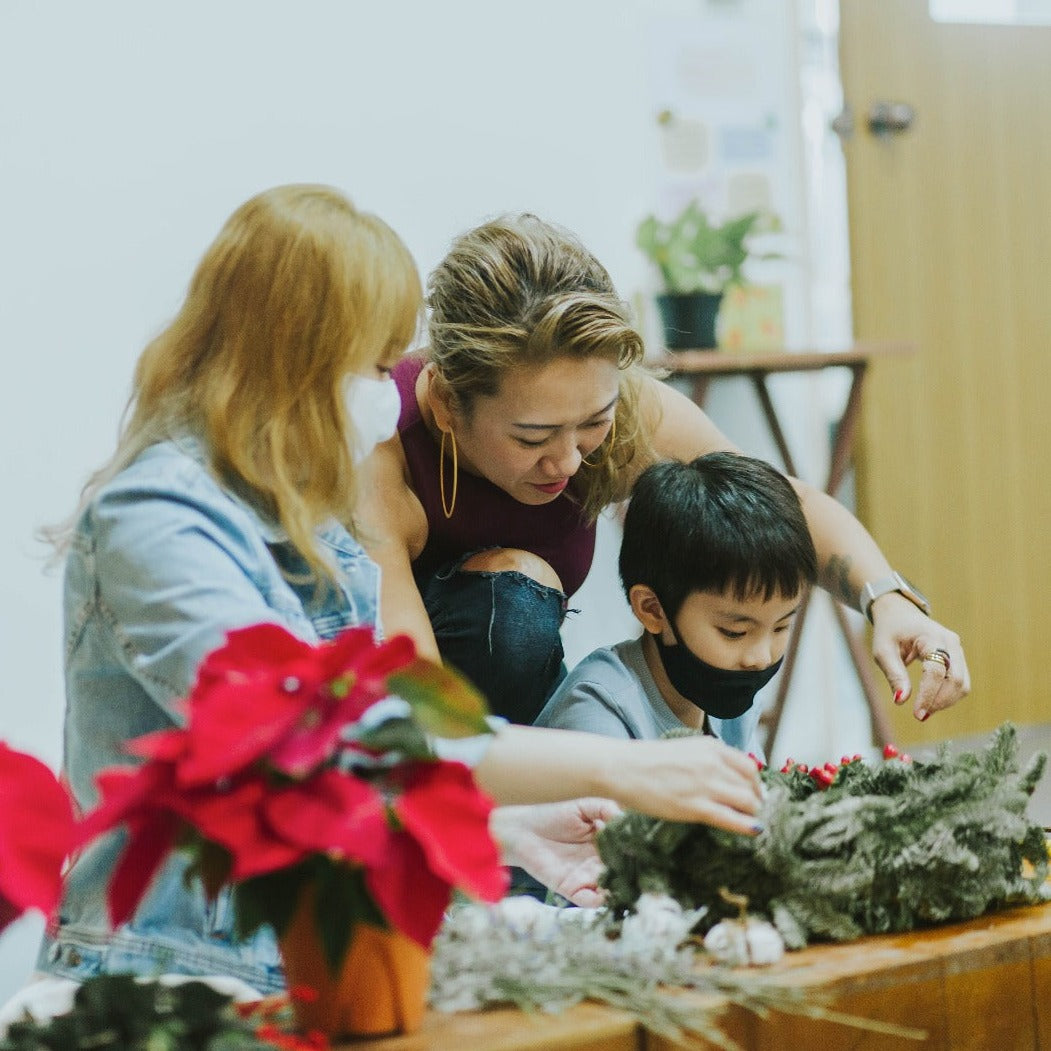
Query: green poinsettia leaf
343	901
272	898
403	736
442	701
210	863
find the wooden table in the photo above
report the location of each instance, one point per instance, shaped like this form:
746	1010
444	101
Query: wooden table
985	984
699	368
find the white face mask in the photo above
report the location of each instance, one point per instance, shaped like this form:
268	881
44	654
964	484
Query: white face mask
373	408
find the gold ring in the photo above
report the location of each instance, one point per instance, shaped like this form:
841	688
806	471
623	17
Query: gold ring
938	656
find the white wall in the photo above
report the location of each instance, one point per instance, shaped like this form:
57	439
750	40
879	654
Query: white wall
129	131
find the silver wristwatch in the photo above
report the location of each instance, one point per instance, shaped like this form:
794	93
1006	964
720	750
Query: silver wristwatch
884	586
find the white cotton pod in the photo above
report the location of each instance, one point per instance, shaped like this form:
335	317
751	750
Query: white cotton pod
744	943
526	916
658	917
765	944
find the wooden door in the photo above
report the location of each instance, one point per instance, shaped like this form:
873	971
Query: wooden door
950	225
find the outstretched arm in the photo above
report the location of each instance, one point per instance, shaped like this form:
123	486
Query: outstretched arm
848	558
392	527
683	779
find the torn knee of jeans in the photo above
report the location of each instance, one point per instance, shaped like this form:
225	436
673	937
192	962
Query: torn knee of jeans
514	560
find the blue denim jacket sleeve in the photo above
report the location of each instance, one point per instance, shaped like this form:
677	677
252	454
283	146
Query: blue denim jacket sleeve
175	569
163	564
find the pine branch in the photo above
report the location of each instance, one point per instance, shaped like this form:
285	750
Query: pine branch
886	847
542	959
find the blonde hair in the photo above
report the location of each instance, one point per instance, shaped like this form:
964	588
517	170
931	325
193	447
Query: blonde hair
518	292
299	290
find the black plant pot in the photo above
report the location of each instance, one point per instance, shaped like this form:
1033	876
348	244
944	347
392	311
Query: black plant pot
689	319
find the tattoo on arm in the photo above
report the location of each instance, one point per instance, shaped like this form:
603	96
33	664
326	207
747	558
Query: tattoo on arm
835	578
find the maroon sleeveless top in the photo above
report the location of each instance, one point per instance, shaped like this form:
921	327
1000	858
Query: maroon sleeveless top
485	516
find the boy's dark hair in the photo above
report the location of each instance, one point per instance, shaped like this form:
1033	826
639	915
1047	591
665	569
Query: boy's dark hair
723	522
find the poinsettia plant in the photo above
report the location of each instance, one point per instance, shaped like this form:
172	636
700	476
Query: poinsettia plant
36	834
306	763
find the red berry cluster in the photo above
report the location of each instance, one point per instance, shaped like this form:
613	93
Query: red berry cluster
825	775
822	776
273	1018
891	752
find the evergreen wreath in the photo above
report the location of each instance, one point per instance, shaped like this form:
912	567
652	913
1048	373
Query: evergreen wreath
852	849
119	1012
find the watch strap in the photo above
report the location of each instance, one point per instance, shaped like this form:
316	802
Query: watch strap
875	589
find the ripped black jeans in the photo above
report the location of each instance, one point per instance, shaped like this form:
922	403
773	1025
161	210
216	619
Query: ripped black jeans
500	630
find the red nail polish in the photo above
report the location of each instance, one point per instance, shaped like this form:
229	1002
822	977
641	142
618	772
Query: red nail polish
898	696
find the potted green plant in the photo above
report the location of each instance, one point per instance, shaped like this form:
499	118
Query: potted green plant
698	260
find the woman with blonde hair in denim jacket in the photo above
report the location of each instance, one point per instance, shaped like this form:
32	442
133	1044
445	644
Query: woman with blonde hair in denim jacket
249	427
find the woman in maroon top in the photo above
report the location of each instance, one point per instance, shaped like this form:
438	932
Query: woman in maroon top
529	413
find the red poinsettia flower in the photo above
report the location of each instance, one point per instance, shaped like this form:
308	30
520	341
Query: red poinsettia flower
268	693
235	818
257	782
333	814
443	843
134	797
263	827
36	834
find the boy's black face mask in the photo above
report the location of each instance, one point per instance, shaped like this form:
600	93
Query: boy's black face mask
720	693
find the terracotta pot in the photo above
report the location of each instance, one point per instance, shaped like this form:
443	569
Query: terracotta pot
379	989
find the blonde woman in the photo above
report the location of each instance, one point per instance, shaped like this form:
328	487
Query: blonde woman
251	417
527	415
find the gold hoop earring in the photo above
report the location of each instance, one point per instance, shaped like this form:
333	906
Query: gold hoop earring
610	438
450	506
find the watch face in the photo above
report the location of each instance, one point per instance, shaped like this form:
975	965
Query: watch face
910	591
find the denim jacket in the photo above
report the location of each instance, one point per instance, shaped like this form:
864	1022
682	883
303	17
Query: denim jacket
164	562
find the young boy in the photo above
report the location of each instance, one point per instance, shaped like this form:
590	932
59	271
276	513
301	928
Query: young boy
715	558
